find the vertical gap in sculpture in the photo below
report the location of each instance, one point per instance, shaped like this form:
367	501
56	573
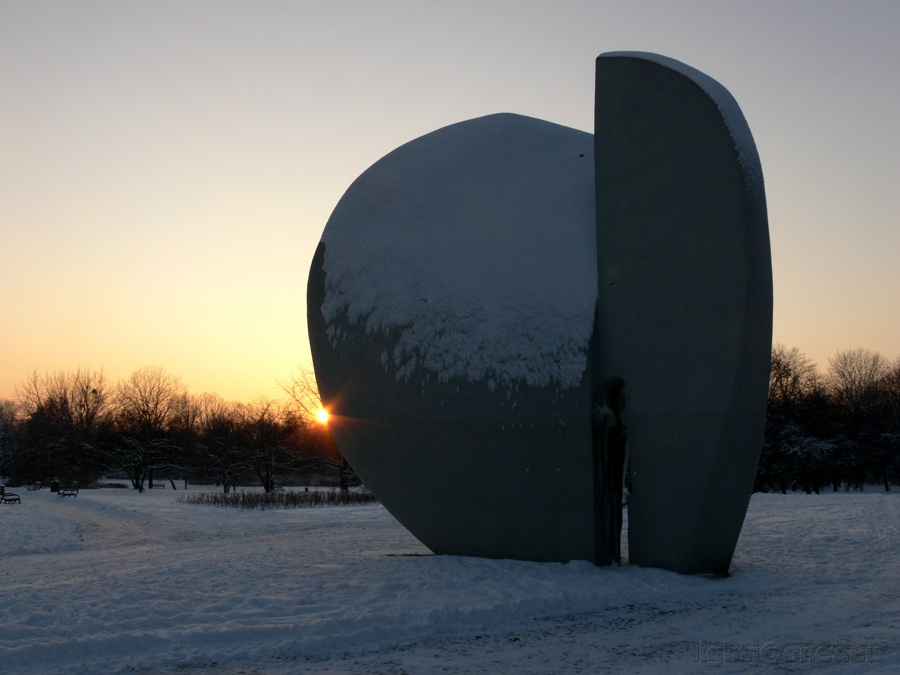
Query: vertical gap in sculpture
609	439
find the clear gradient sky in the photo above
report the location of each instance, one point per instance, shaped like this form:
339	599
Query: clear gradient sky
167	167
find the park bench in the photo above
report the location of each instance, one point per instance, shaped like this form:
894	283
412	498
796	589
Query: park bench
34	486
69	491
8	497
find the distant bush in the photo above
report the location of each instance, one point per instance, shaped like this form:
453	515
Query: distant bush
279	500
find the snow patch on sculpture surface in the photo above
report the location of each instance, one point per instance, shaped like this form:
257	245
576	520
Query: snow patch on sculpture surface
475	246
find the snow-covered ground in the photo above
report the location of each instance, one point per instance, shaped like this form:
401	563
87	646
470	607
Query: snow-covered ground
116	581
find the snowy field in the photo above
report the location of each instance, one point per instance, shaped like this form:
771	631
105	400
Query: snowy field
116	581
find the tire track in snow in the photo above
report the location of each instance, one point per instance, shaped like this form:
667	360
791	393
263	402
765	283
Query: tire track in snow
93	526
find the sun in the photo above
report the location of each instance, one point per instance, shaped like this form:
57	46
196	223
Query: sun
322	416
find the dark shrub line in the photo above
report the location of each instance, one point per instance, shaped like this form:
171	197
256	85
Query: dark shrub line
278	500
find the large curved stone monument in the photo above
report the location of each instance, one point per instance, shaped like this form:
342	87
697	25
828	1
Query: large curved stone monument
501	310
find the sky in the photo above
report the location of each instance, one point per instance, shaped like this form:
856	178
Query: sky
167	168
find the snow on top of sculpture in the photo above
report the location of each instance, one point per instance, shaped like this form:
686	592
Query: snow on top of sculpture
475	246
734	119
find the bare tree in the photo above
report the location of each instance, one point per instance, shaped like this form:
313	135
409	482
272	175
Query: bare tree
861	383
303	393
306	404
210	407
150	405
891	389
266	433
8	414
141	457
795	404
62	411
8	410
855	379
222	454
85	395
792	376
886	455
149	401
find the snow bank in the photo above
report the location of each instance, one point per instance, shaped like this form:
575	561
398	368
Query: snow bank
476	244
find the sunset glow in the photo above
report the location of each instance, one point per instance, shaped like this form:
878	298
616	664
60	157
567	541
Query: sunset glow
168	168
322	416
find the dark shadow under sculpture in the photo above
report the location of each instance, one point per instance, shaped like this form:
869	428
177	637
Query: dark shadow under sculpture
505	312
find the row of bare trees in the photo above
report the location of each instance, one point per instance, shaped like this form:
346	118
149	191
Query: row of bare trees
77	426
840	428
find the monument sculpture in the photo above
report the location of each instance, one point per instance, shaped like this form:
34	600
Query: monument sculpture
506	313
